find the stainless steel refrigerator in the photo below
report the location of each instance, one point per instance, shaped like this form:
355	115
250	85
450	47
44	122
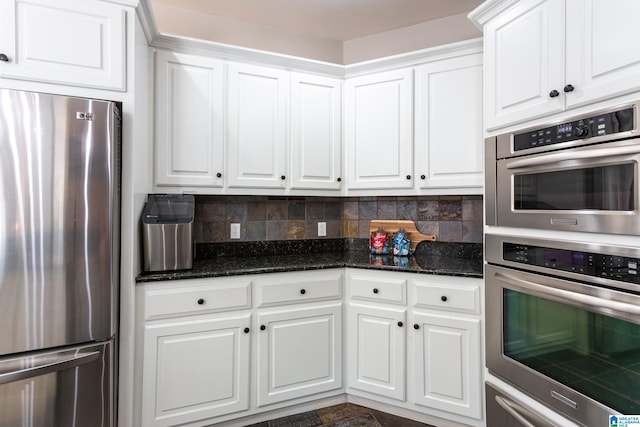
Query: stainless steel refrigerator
59	259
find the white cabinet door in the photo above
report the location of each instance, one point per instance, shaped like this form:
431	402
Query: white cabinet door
376	350
194	369
448	141
316	132
189	120
379	130
257	134
448	363
72	42
601	56
524	62
299	352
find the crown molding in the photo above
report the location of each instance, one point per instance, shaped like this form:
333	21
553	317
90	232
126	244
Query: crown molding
489	10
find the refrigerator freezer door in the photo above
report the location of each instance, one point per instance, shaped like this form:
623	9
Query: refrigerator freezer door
64	388
58	216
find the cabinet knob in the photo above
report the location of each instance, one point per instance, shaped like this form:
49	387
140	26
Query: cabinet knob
423	177
246	330
408	176
416	326
262	327
443	298
201	301
568	88
554	93
400	324
339	179
4	58
282	177
302	291
219	175
375	290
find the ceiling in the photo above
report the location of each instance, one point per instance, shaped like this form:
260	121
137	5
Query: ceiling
337	20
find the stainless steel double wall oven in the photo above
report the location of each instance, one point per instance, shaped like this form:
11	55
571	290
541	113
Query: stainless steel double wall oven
563	313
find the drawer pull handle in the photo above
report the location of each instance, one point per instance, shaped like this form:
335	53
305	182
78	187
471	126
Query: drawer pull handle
262	327
416	326
400	324
219	175
375	290
443	298
302	291
201	301
246	330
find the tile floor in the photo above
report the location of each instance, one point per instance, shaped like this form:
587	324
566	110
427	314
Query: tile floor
342	415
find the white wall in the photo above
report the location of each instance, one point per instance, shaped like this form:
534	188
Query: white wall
416	37
184	22
187	23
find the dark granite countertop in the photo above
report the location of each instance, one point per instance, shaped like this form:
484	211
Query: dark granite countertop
230	259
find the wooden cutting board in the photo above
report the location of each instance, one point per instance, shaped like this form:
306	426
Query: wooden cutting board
391	226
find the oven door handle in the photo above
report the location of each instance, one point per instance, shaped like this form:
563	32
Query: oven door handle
600	305
593	153
515	410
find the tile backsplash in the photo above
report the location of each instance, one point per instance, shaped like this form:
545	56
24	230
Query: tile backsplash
450	218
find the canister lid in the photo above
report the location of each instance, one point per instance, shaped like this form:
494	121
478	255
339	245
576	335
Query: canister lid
169	208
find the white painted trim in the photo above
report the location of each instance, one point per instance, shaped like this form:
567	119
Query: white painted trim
147	19
488	11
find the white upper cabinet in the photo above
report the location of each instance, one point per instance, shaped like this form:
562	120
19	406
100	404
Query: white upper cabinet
602	59
189	120
524	62
71	42
316	132
448	140
379	130
542	56
257	134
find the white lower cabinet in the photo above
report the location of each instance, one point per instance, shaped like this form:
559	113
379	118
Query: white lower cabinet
195	369
447	363
299	352
214	350
376	356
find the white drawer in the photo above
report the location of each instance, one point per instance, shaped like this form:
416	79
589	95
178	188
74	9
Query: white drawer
383	289
298	287
197	296
448	296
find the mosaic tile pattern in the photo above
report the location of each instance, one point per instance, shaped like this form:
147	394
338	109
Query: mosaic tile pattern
342	415
451	218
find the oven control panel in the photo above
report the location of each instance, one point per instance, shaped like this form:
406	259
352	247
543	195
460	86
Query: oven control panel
599	125
611	267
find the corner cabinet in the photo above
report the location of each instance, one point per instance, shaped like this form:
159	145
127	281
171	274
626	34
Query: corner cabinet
189	120
379	130
545	56
70	42
448	124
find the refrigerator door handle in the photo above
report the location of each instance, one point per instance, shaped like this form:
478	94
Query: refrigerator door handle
57	364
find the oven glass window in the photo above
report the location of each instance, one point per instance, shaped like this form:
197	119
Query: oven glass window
605	188
596	355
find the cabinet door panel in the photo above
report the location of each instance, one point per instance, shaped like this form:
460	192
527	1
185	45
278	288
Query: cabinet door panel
376	350
316	132
600	60
448	143
195	369
299	352
189	120
524	62
257	127
448	358
379	130
67	41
